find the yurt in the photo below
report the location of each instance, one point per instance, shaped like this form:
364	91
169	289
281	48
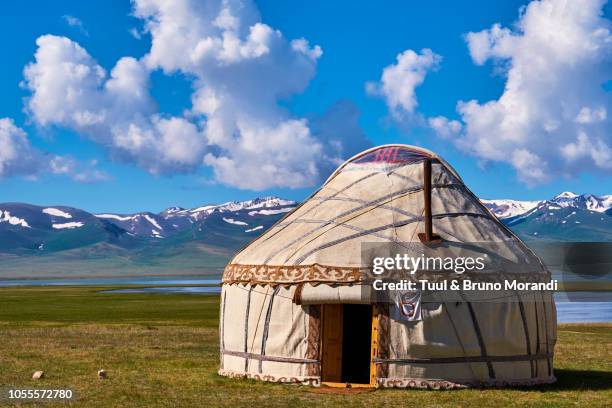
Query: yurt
292	303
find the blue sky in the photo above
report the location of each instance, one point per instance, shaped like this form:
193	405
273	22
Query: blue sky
358	39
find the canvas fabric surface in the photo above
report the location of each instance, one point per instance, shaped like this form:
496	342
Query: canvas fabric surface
243	328
445	331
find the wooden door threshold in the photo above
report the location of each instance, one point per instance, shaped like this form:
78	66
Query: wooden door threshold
346	385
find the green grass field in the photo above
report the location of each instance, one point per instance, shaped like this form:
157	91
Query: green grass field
162	350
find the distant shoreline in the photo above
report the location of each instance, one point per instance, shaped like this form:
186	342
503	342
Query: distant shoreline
131	275
570	286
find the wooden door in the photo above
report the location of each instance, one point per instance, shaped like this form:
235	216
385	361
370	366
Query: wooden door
374	349
331	342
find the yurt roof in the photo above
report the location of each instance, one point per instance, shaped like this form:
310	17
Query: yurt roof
419	150
375	197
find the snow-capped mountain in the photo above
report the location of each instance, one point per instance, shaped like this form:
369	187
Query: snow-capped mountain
51	228
509	208
565	217
231	206
177	219
512	208
554	223
585	201
226	227
263	202
144	224
31	227
25	216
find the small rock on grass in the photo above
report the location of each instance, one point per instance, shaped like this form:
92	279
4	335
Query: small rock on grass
102	374
38	375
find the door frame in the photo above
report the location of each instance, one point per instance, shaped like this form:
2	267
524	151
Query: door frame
373	348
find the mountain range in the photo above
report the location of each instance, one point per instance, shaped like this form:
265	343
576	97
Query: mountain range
567	217
25	227
62	241
67	241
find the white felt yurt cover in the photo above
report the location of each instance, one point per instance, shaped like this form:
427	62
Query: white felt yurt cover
270	332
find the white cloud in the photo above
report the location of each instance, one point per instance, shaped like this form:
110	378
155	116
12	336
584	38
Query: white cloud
444	127
588	115
62	74
81	172
302	45
240	69
135	33
275	155
486	44
19	158
73	21
552	118
531	168
399	81
71	90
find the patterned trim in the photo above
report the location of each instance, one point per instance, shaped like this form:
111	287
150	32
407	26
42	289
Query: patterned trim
297	295
458	384
316	273
396	382
382	370
313	381
312	347
290	274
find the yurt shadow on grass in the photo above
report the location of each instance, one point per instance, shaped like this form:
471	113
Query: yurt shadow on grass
292	304
581	380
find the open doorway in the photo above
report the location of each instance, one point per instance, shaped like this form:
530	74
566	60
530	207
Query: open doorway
346	344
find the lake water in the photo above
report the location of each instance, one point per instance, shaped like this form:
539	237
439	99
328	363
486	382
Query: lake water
193	290
144	280
583	307
584	312
572	307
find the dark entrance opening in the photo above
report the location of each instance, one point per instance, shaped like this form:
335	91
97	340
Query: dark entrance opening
356	343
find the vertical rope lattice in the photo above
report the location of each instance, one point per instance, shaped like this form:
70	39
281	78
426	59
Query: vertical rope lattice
264	337
548	358
222	330
526	330
246	329
538	347
454	326
481	343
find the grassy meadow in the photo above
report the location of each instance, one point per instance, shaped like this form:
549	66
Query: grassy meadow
162	350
